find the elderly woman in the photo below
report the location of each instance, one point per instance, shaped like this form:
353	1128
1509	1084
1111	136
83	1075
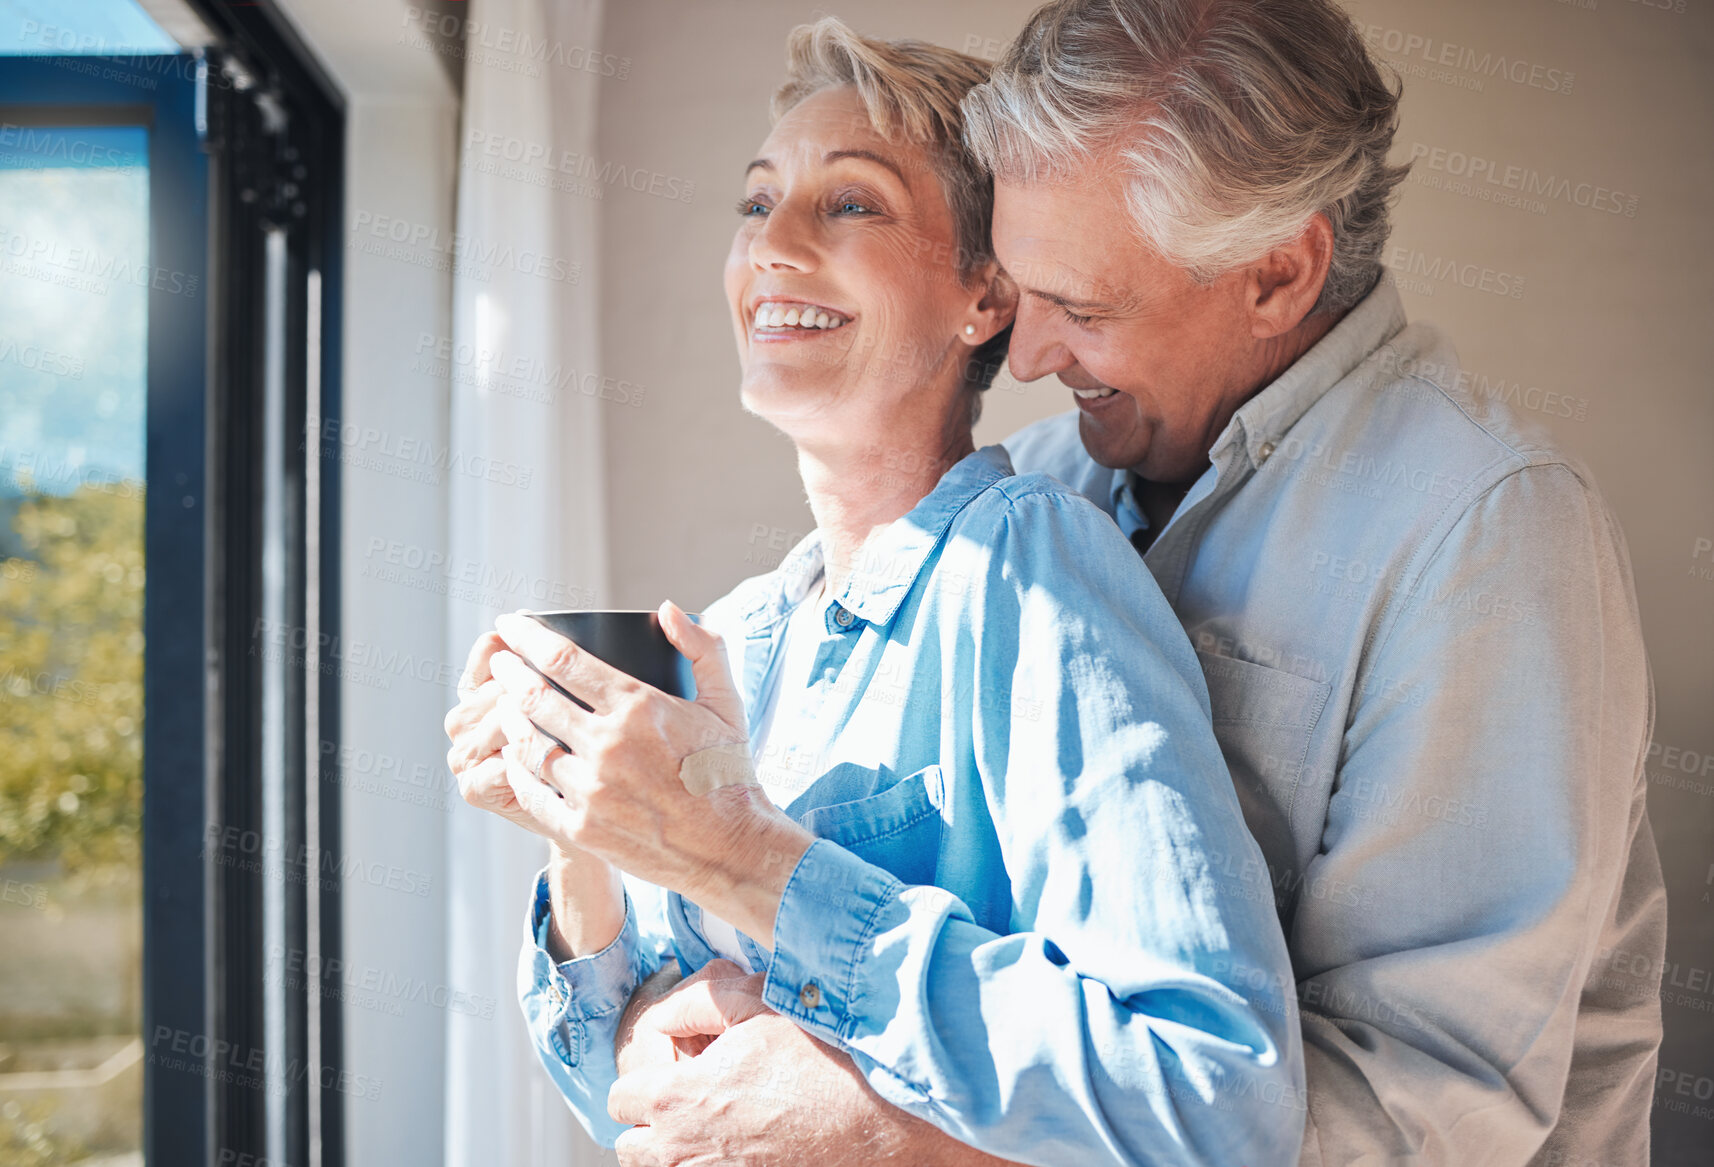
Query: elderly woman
994	853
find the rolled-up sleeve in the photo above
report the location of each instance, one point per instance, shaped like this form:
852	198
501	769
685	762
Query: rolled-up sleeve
1140	1008
572	1008
1489	808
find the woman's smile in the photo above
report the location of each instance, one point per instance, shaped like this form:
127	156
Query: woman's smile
842	229
774	318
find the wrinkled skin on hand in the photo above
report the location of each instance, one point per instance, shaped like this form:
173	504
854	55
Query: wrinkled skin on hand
761	1093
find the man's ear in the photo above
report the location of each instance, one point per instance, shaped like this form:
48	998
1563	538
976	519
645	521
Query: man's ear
1284	284
999	302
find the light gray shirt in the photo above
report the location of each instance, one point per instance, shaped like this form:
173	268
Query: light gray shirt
1420	634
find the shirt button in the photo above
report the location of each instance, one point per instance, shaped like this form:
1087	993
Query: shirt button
843	618
810	995
1266	452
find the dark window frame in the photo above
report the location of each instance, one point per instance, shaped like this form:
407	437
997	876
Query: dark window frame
245	137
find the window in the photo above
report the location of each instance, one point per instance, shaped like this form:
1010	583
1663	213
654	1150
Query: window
168	258
72	492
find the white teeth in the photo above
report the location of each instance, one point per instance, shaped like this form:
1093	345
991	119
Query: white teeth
1090	394
795	316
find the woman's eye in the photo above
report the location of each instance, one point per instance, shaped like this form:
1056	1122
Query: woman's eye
853	207
1075	318
751	209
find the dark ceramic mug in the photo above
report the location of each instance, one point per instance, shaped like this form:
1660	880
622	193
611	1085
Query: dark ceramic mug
632	642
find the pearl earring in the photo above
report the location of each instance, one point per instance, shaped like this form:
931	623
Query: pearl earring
969	330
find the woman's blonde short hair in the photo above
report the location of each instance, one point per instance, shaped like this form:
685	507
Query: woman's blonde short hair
912	91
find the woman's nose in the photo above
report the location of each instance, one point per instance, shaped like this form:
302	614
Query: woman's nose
784	242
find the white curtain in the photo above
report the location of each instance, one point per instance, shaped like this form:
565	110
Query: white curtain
527	505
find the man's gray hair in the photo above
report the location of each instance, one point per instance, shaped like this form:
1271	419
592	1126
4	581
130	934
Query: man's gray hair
1238	120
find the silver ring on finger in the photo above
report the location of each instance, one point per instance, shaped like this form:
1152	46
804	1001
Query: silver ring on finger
541	762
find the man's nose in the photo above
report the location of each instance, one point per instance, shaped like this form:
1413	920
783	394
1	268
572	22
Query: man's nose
1036	349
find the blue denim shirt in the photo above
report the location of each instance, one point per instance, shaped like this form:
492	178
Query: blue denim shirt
1416	618
1033	915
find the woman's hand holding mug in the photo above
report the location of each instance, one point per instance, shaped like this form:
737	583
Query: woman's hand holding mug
473	727
618	793
588	901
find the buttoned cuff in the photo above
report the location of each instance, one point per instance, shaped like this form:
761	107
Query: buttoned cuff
833	907
559	998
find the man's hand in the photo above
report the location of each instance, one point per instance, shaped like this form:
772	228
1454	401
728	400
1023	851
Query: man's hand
671	1017
639	1044
762	1094
702	1007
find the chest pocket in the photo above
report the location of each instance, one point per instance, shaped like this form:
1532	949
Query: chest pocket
897	829
1263	719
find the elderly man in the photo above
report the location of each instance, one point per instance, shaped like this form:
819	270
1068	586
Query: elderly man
1415	615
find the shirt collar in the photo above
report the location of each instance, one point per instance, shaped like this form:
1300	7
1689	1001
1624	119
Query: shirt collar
889	564
1264	419
768	599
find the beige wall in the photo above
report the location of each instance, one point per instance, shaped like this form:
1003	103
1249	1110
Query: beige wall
1612	325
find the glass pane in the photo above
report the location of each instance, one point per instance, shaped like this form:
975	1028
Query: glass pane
108	28
74	283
